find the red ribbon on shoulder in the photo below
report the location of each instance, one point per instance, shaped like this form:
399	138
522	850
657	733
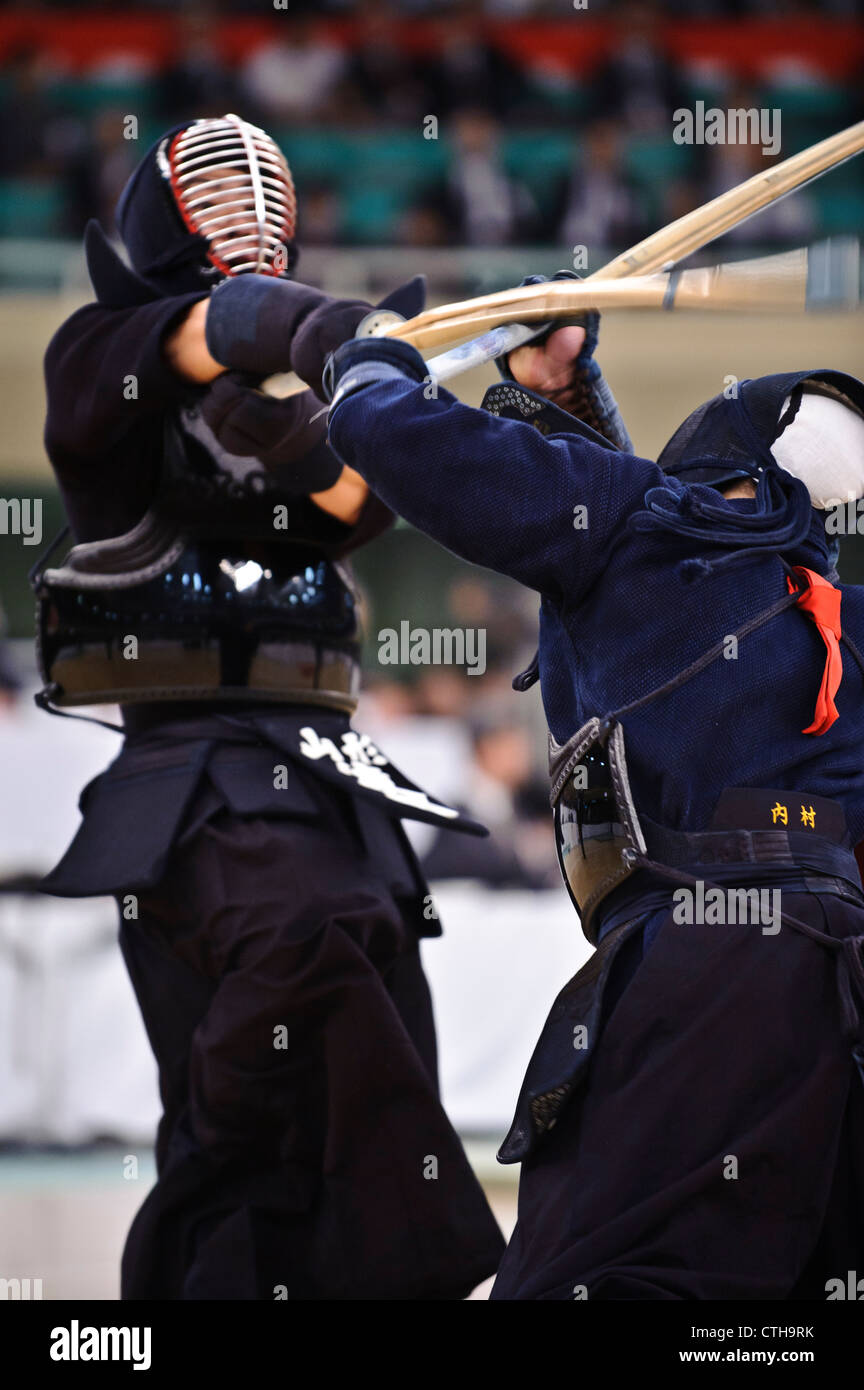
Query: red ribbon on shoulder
821	601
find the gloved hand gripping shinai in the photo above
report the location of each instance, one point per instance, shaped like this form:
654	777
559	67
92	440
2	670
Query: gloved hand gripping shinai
288	436
364	361
260	324
595	404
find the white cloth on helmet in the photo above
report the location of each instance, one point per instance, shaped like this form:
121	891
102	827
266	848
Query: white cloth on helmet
824	446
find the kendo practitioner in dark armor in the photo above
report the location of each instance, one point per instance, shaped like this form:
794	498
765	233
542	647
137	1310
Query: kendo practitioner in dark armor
271	906
691	1125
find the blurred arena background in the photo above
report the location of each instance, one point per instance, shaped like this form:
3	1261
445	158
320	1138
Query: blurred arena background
551	129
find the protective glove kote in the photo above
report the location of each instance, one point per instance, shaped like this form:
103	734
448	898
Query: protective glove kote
288	436
261	325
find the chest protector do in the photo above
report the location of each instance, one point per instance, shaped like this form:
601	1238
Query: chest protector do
208	597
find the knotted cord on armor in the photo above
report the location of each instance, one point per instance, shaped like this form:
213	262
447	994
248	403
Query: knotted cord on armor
781	519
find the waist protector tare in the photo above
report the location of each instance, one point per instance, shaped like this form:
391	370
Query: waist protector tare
158	614
595	818
598	833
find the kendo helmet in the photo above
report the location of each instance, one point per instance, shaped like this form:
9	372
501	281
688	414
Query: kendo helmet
808	424
798	435
211	198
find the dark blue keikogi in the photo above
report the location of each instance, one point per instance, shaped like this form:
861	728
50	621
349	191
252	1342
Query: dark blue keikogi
715	1145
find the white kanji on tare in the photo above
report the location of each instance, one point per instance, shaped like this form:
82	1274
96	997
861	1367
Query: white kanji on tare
359	757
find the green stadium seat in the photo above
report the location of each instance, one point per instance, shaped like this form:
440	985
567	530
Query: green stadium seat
651	165
652	161
840	210
30	208
316	155
129	95
371	213
539	149
539	159
701	88
560	99
398	159
817	103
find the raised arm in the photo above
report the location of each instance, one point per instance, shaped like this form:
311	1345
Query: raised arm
542	509
108	371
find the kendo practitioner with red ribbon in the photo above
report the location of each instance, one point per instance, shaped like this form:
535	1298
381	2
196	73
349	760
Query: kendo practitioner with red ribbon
271	906
691	1125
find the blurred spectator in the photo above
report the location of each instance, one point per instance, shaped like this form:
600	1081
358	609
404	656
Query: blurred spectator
311	76
443	692
96	162
10	683
514	9
499	785
855	96
463	66
384	81
389	700
505	612
503	763
638	83
295	77
26	112
498	9
536	843
790	220
679	196
319	214
803	9
423	223
596	206
483	205
197	82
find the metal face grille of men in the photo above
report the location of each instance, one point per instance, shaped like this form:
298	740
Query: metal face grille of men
691	1125
271	904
